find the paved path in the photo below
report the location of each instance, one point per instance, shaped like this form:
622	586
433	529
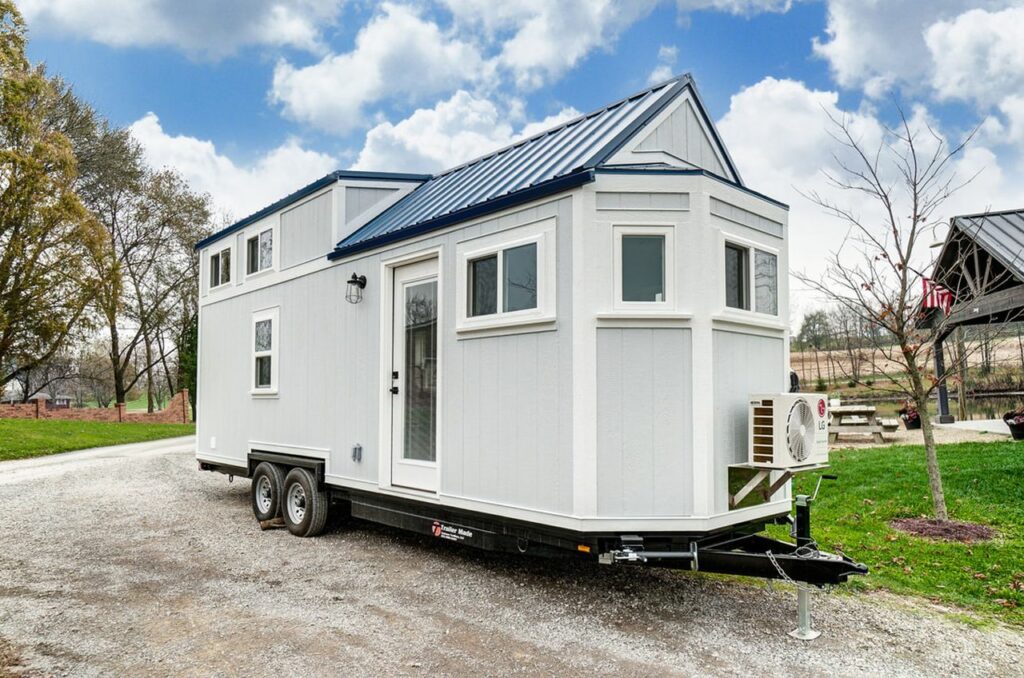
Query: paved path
130	562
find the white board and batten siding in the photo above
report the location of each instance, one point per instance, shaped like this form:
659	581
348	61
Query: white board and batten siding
505	400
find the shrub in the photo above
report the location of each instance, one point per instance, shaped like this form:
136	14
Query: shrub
820	385
851	383
869	382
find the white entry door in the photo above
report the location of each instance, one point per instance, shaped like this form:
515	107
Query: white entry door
414	370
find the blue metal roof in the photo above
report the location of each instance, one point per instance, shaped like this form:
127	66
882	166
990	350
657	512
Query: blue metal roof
560	157
307	190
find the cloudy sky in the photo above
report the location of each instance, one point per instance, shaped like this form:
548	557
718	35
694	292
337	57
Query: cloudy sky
251	99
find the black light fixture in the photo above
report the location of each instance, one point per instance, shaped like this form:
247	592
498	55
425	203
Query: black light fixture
354	293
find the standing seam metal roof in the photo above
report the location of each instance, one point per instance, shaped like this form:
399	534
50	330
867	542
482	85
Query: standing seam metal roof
576	145
1000	233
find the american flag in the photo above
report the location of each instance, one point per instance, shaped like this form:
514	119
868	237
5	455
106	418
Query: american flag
936	296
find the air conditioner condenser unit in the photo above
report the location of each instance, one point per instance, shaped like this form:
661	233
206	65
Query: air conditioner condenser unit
787	430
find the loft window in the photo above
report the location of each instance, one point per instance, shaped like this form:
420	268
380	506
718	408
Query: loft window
220	268
259	252
766	282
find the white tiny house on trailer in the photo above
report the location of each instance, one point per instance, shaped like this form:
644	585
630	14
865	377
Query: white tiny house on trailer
554	343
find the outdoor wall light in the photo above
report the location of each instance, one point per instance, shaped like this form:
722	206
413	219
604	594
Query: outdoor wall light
354	293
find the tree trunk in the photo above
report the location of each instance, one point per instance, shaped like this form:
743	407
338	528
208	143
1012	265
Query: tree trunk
931	454
115	363
149	375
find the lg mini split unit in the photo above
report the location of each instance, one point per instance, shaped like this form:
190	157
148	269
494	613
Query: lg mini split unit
788	430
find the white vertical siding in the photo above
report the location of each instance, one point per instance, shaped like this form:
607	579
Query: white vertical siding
682	135
306	231
358	200
743	364
644	420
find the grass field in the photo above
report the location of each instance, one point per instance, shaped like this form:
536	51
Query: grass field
21	438
983	484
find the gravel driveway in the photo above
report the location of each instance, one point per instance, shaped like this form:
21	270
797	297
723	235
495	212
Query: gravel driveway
137	564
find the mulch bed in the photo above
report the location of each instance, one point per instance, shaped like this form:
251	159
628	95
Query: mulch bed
946	530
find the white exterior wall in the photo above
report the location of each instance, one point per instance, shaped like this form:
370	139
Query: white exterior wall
527	414
665	429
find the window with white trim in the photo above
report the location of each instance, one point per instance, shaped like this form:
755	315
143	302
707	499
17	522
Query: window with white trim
751	277
220	268
507	278
264	351
259	252
643	267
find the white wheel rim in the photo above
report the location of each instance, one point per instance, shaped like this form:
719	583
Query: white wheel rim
296	503
264	494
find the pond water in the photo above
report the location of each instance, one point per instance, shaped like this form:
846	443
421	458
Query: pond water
979	407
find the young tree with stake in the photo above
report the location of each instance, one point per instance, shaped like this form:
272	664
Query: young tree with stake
876	275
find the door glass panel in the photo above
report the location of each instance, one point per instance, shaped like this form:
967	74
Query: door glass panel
421	371
643	268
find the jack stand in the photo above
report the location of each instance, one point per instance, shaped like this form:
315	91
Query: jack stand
803	630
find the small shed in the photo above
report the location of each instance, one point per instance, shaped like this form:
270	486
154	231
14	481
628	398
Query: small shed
982	264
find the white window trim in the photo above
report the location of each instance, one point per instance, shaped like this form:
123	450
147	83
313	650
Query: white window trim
209	268
750	246
273	315
668	304
274	255
541	233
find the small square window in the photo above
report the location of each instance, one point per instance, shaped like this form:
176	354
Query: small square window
766	283
264	335
220	268
263	371
520	278
483	286
259	252
643	268
225	267
736	277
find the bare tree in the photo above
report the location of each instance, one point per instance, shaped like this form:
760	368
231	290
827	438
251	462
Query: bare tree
876	274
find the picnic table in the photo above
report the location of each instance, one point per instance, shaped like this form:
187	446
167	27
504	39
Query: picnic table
855	419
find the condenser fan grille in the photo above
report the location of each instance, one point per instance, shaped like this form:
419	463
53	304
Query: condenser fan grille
800	430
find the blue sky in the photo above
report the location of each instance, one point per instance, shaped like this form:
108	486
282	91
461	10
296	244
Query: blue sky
250	99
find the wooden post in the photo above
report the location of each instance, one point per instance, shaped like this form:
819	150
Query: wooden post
940	374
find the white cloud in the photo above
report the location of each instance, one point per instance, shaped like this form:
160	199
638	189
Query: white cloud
667	56
458	129
546	39
205	29
238	190
979	55
398	54
738	7
778	133
874	45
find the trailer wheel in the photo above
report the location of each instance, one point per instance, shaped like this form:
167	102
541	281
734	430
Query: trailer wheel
265	491
304	506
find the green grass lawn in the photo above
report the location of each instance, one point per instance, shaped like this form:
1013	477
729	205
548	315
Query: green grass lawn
983	484
21	438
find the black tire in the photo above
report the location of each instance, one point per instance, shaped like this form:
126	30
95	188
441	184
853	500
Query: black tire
266	507
306	513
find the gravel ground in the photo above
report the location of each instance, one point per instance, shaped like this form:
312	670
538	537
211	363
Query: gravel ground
943	435
152	568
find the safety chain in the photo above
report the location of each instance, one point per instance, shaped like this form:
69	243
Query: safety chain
807	551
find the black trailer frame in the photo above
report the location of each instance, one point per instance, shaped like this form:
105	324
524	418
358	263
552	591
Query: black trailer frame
737	550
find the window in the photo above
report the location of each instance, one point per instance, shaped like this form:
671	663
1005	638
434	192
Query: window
259	252
506	278
643	268
516	269
264	352
736	277
766	282
745	285
643	271
220	268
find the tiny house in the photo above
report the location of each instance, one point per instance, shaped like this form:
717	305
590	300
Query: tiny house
548	348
